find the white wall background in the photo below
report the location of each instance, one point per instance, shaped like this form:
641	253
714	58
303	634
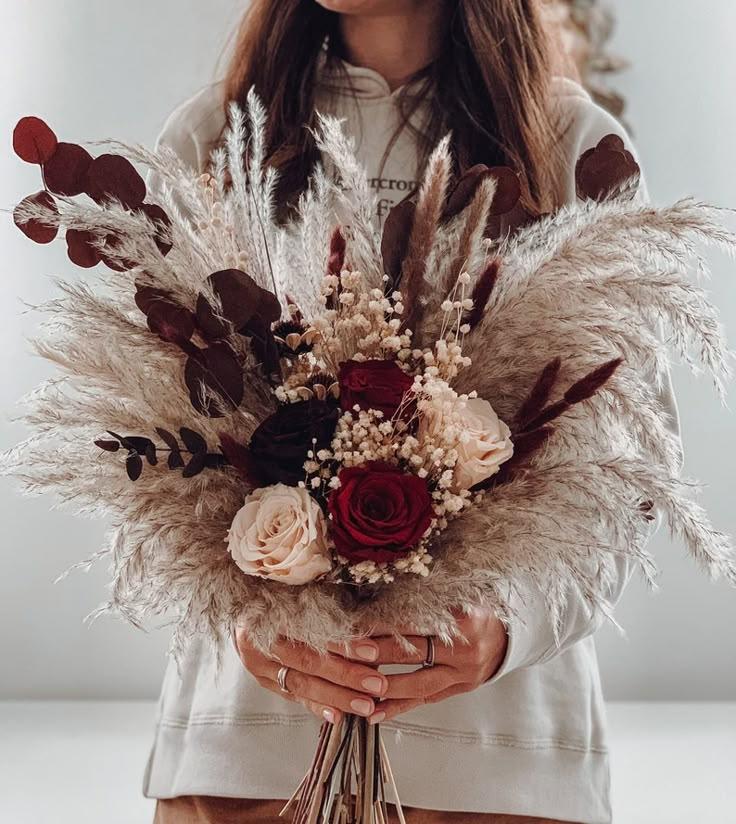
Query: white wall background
101	69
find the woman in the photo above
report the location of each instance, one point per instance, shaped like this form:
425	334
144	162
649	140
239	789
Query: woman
509	728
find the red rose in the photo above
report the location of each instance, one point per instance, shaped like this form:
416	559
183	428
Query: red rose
378	512
373	384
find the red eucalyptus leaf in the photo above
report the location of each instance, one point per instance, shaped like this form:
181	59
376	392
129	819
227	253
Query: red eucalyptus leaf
65	172
217	368
171	322
150	453
395	240
33	140
81	249
108	446
192	440
614	142
162	222
113	261
197	464
35	229
134	466
465	189
508	190
146	297
241	298
169	439
175	460
112	176
602	172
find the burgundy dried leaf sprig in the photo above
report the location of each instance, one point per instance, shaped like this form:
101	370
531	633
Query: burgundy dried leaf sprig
534	422
69	170
141	447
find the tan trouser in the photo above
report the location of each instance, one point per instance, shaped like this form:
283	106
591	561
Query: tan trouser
204	809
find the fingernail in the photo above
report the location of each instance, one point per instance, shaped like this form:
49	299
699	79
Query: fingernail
329	715
378	718
367	652
373	684
361	706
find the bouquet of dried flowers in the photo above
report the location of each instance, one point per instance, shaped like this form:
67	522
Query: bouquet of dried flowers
315	427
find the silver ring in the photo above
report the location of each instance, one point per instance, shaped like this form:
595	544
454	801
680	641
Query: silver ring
429	660
281	680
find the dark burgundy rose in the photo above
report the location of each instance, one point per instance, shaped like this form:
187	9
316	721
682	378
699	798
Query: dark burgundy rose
373	384
280	444
378	512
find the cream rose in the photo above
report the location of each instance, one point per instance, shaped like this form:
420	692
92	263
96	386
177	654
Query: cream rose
482	440
280	533
484	445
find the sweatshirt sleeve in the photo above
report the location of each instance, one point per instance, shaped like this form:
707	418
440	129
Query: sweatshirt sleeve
531	638
192	129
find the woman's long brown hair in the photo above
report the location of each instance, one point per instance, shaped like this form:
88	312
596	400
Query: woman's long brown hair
490	81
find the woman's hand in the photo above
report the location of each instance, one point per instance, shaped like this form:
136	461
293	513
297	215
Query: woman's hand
326	685
457	669
346	681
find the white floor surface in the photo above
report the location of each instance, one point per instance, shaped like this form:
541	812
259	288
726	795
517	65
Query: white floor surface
82	762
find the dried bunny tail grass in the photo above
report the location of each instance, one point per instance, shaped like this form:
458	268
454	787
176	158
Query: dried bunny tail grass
430	205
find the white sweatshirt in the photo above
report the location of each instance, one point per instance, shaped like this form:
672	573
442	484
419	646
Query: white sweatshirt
529	742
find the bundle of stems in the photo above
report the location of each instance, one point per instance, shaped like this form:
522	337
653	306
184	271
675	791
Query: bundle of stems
348	779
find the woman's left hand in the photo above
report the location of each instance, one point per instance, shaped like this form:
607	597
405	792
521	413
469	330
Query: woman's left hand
457	669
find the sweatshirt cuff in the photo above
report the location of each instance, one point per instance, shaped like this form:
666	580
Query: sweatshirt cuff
531	639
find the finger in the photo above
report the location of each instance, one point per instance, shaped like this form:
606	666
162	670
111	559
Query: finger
308	687
390	708
329	714
421	683
387	650
334	668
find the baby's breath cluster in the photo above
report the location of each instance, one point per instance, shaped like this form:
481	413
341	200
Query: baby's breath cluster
425	434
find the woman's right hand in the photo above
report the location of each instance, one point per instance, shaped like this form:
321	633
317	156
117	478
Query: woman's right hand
327	685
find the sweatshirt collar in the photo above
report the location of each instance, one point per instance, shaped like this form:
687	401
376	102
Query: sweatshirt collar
338	76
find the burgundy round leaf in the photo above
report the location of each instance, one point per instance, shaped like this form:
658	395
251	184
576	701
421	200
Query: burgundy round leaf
65	172
33	140
171	322
508	190
162	222
240	297
35	229
112	176
465	189
614	142
110	259
81	248
395	240
601	172
217	369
